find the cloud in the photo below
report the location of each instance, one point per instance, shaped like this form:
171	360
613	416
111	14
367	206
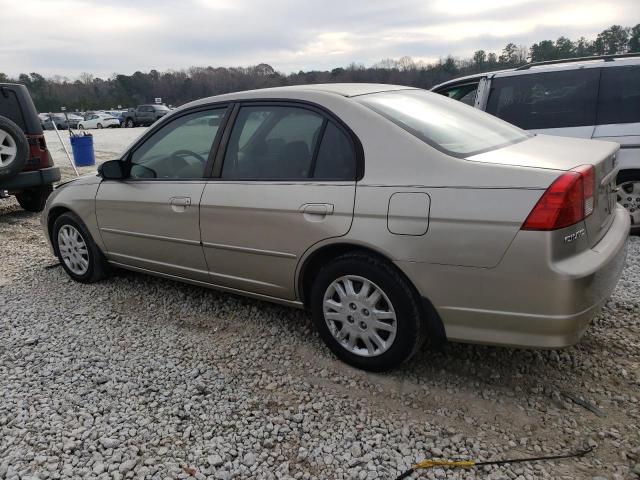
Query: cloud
67	37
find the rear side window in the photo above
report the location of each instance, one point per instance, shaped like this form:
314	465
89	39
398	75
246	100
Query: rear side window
546	100
10	107
272	142
336	157
619	100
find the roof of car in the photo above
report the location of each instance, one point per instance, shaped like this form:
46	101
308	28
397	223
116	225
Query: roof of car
342	89
555	65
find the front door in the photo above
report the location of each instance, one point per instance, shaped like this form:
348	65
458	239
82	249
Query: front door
151	219
287	181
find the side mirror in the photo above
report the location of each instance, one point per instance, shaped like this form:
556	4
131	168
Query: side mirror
112	170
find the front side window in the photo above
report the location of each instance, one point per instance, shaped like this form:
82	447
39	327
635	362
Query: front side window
619	99
272	142
446	125
180	149
546	100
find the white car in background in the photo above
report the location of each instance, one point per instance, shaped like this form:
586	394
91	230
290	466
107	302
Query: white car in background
99	120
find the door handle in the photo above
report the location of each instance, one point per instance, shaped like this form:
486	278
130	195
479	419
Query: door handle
180	201
317	209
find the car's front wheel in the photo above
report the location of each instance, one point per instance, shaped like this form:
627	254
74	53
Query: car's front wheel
80	126
79	255
366	312
34	199
129	123
99	125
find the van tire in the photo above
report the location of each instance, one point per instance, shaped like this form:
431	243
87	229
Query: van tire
624	177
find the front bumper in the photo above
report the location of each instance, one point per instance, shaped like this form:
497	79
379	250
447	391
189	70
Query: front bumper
35	178
531	299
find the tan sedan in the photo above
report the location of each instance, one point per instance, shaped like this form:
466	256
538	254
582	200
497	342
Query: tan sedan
393	214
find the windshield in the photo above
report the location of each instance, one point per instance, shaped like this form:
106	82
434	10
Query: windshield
445	124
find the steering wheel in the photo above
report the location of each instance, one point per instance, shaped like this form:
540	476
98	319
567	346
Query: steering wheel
188	153
181	166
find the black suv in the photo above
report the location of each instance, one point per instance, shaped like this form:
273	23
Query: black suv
26	167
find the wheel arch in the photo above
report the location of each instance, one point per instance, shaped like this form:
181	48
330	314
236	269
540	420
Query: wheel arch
314	260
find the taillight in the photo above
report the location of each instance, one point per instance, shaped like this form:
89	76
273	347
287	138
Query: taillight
569	199
39	156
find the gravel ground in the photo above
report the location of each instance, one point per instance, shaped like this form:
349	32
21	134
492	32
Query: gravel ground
140	377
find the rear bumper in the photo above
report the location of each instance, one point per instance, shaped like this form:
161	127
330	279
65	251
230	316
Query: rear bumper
530	299
35	178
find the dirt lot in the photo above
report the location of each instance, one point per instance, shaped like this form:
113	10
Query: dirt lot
139	377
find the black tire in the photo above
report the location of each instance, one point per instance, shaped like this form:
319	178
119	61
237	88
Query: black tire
33	199
411	328
80	126
97	268
99	125
625	176
129	123
11	135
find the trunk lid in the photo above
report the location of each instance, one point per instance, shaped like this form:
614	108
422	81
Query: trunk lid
564	154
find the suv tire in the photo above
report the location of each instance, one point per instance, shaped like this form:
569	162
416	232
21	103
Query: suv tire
386	317
129	123
34	199
78	254
14	149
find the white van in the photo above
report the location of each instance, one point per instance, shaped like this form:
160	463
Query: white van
592	97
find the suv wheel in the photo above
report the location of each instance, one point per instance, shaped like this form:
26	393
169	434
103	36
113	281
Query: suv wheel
33	199
129	123
366	312
79	255
629	196
14	149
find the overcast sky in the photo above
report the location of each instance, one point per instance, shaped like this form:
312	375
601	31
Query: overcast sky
103	37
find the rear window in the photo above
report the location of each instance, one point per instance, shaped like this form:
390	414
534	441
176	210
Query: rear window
10	107
445	124
546	100
619	100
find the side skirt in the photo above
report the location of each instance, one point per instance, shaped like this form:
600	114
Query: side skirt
257	296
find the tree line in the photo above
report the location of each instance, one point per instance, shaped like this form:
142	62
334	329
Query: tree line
176	87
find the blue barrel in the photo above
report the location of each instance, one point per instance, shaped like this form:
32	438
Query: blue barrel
82	147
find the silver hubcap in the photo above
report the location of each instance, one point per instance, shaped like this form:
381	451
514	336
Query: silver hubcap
629	198
360	316
8	149
73	250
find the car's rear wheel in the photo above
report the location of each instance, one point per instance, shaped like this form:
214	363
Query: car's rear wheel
366	312
79	255
80	126
14	148
629	196
129	123
99	125
34	199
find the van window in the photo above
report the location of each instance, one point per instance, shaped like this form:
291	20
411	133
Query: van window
619	100
546	100
463	93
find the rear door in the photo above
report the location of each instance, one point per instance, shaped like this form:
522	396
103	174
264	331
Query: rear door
286	180
151	219
554	103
